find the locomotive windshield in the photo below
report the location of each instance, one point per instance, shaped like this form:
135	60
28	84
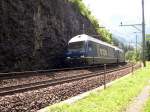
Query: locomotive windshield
76	46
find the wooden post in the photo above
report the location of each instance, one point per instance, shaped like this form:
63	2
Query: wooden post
104	76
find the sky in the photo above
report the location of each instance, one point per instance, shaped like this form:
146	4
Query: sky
110	13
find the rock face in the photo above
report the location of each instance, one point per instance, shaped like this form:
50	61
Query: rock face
34	33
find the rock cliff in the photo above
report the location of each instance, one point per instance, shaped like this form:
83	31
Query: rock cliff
34	33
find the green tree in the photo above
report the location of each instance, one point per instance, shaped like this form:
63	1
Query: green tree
147	47
148	50
132	56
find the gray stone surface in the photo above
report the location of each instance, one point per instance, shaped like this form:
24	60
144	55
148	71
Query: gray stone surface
34	33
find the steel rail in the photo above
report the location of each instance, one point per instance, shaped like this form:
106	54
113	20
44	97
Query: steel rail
21	88
10	75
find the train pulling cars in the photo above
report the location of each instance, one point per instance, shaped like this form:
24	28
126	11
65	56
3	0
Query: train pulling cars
86	50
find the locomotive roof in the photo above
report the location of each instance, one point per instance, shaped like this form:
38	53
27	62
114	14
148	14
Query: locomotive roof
84	37
116	48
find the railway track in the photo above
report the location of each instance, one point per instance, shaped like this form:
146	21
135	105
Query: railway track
21	88
10	75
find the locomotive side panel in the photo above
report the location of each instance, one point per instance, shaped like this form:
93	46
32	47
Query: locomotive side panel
99	54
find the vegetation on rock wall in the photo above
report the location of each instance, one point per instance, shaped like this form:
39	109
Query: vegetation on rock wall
102	32
34	33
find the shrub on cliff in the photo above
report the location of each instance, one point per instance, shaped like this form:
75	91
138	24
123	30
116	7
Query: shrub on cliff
103	33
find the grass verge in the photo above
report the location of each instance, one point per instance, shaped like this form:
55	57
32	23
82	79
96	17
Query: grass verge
114	99
147	106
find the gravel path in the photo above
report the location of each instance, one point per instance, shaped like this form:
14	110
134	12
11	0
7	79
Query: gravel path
140	100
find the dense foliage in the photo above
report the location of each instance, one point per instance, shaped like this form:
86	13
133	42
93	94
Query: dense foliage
102	32
132	56
148	50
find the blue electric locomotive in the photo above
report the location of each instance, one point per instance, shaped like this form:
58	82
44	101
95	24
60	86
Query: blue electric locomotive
84	49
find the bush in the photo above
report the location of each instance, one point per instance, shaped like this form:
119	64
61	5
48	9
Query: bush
132	56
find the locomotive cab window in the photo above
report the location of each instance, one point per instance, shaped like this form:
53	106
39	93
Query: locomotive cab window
77	46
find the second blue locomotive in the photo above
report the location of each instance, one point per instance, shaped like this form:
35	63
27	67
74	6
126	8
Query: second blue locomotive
84	49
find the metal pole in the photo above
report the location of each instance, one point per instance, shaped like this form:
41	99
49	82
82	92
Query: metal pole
143	34
129	45
136	44
104	76
83	29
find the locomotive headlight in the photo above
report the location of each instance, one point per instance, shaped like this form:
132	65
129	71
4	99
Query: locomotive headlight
82	56
68	57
